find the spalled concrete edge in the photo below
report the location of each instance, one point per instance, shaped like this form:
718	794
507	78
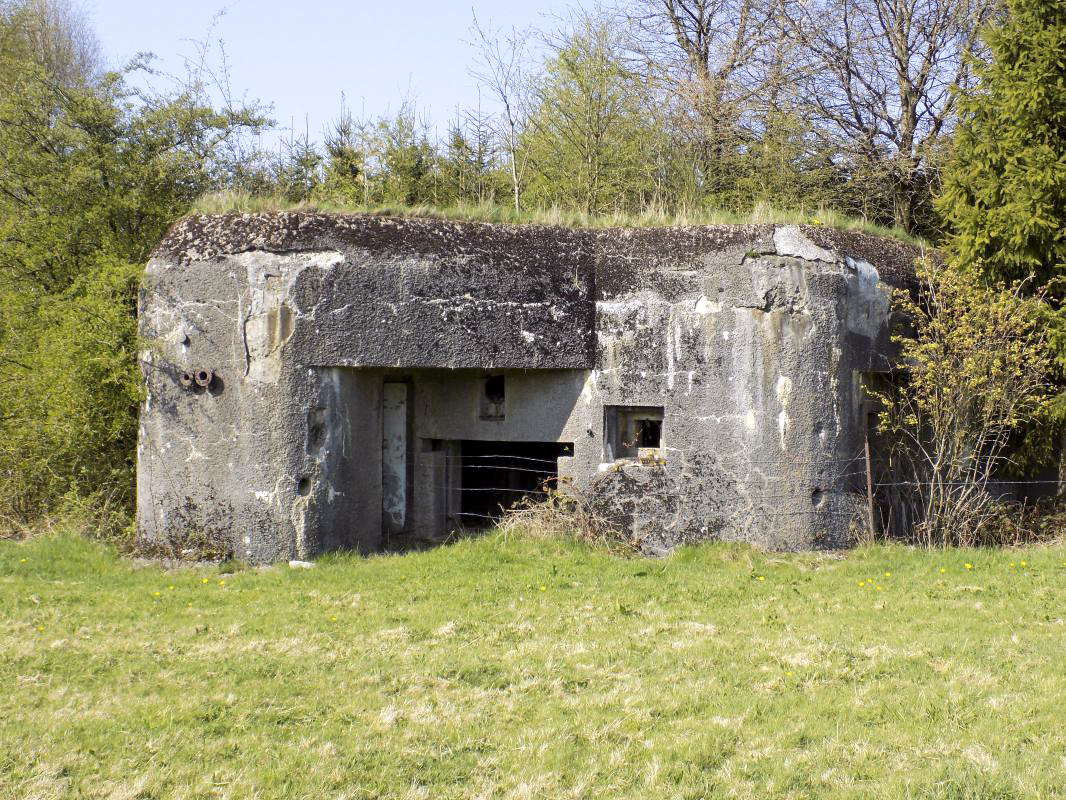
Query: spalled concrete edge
202	237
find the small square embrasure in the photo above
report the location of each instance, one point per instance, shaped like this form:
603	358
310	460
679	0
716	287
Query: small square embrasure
493	397
628	430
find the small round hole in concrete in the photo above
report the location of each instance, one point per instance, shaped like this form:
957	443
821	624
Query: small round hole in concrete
304	487
817	498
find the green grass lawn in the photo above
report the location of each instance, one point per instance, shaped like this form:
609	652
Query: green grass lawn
519	668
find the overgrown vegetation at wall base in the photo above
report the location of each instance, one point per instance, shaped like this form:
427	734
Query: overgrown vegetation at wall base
518	668
976	370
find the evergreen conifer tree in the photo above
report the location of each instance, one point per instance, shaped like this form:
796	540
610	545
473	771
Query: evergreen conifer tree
1004	194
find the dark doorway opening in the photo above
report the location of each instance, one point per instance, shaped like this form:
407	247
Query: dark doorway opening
498	475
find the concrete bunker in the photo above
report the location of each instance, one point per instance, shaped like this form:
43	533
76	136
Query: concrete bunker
376	381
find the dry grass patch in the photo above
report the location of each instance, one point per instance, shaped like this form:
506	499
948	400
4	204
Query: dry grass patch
230	202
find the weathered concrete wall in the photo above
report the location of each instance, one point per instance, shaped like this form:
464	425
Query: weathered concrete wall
749	337
750	343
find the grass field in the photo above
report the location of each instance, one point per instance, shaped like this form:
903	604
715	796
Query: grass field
520	668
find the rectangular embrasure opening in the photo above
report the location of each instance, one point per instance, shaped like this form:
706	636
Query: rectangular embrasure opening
493	398
498	475
632	431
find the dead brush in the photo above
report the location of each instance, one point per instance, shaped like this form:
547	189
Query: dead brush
564	514
1022	524
190	544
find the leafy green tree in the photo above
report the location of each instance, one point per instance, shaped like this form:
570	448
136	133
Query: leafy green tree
298	170
91	174
586	140
1004	195
408	159
782	166
977	368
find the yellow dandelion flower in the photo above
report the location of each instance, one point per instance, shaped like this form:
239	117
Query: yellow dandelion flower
221	583
157	594
204	580
1024	563
1012	564
969	566
333	619
762	577
171	586
878	588
862	583
788	674
888	574
23	560
40	629
942	570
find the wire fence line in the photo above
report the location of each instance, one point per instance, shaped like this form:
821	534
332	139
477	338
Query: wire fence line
554	461
740	491
423	456
502	458
992	483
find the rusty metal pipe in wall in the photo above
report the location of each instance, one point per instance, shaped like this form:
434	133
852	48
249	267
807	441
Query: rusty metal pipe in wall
204	377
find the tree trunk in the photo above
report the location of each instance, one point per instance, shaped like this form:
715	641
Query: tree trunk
903	204
514	168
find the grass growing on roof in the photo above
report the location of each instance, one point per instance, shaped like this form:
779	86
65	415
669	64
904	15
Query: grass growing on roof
517	668
242	202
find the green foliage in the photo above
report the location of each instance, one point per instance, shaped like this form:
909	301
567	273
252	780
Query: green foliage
976	373
1004	195
92	173
298	175
71	413
1005	189
587	141
784	166
344	178
231	201
469	166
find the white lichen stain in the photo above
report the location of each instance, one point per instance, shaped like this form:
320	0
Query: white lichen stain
783	390
590	388
669	358
706	306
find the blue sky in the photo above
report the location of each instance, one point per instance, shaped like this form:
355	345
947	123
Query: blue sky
302	54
